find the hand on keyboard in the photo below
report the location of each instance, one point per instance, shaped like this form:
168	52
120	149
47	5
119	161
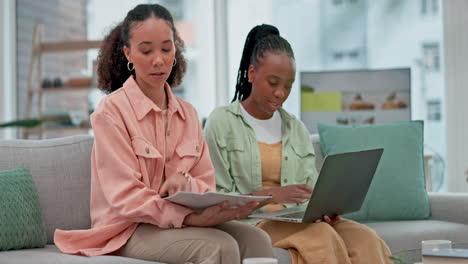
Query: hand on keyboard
296	193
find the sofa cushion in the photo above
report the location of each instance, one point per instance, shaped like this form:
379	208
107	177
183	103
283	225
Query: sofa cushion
397	191
21	223
61	170
407	235
51	254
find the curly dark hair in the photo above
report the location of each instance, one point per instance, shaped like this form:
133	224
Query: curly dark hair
111	62
261	38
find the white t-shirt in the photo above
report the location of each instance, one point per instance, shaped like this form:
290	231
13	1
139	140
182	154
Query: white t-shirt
268	130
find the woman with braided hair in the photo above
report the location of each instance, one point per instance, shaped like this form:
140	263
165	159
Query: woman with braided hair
258	148
149	144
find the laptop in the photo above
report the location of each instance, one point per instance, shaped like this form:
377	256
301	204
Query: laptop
341	188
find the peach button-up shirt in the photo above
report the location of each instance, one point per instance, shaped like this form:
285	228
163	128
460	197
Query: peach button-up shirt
132	153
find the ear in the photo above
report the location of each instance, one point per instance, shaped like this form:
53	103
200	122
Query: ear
126	51
251	73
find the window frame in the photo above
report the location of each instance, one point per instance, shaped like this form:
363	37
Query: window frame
8	93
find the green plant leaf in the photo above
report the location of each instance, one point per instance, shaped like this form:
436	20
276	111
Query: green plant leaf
23	123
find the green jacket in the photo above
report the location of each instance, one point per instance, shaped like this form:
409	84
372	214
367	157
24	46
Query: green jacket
236	157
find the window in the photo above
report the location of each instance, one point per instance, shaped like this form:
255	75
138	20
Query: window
429	7
433	110
338	55
351	54
340	2
337	2
431	56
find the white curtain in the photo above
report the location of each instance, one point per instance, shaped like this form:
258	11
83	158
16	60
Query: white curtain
455	21
7	66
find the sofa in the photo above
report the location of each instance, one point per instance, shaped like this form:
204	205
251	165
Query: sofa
61	171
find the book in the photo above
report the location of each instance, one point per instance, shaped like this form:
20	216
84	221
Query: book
446	256
199	201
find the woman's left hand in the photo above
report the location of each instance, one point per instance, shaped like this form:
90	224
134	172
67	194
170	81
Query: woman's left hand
179	182
328	220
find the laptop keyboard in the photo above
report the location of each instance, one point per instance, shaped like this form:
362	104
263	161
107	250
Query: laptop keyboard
294	215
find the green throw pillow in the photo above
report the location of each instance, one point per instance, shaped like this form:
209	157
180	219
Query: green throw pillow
398	189
21	223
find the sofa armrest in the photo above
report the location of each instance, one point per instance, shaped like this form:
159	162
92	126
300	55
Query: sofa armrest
452	207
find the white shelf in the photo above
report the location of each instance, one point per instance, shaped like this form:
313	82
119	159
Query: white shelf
35	91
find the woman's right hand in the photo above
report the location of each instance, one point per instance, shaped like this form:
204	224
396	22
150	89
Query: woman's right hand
329	220
219	214
296	193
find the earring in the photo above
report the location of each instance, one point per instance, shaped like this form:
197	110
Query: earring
175	62
130	68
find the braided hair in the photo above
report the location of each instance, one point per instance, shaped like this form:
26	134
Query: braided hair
111	62
261	39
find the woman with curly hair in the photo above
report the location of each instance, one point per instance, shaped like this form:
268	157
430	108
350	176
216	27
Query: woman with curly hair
149	144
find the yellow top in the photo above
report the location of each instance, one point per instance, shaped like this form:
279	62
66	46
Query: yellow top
270	155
